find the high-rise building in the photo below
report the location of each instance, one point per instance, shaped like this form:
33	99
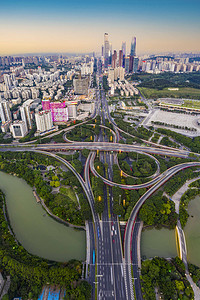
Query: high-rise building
111	75
7	80
124	53
44	121
124	48
148	66
120	58
106	50
135	64
114	59
110	54
102	50
127	60
25	113
121	73
5	113
59	112
46	104
133	46
131	63
116	73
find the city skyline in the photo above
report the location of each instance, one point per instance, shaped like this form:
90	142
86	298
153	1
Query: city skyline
35	27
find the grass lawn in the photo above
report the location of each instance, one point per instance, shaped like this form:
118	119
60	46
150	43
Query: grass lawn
191	104
187	93
114	98
68	192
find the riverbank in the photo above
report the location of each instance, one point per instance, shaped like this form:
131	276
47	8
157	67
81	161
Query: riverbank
61	202
183	196
30	272
59	219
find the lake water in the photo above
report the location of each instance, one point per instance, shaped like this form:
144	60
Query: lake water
192	232
156	242
38	233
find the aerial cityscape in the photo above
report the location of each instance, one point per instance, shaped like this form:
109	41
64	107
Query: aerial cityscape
100	150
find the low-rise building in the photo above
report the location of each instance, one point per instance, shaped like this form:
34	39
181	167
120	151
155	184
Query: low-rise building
18	129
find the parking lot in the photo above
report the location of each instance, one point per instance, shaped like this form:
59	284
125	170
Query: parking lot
177	119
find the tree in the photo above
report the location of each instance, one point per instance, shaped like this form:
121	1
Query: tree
179	285
56	183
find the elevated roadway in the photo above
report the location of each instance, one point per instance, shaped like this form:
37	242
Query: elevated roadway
104	146
123	186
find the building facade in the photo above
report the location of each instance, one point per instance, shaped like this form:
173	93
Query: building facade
5	113
18	129
44	121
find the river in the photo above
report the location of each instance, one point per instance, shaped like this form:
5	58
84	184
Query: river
38	233
192	232
156	242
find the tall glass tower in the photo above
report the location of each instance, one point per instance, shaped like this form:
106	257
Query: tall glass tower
106	50
124	48
133	46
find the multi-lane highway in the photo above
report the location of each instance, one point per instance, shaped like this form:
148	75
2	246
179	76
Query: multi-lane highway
109	280
115	287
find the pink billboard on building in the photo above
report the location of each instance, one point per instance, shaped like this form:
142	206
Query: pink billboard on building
46	104
59	112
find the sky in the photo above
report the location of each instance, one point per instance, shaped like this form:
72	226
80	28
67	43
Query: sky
36	26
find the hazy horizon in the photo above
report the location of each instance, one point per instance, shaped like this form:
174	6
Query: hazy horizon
91	53
62	27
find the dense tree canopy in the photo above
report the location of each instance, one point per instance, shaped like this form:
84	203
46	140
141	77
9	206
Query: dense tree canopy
168	277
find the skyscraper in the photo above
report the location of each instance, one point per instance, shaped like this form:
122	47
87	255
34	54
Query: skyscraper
127	61
133	46
120	58
106	50
102	50
135	64
114	59
110	54
110	48
124	48
124	53
131	63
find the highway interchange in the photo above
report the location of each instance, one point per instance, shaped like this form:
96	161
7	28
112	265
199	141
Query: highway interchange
108	265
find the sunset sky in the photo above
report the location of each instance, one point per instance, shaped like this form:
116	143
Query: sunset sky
78	26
